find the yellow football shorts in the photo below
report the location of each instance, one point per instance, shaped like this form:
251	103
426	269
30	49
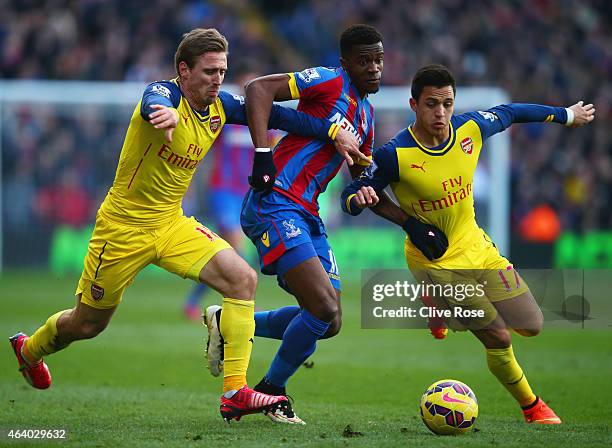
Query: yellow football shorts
472	280
117	253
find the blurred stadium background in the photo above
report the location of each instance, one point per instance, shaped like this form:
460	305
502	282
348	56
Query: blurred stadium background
60	142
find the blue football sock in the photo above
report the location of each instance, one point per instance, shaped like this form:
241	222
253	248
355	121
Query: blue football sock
272	324
299	342
196	294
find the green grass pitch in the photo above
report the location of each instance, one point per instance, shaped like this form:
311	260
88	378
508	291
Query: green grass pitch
143	382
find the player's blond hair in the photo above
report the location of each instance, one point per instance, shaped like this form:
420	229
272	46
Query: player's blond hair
197	42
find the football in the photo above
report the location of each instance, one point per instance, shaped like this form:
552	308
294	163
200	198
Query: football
449	407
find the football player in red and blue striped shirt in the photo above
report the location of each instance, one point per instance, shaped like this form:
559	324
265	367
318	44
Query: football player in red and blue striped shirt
280	214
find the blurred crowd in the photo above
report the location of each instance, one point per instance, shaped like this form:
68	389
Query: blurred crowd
545	51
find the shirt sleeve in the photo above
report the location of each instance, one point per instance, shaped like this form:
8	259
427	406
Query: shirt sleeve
383	170
301	83
284	118
165	93
368	142
500	118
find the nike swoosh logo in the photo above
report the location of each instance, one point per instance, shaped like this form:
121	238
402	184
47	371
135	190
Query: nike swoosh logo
450	399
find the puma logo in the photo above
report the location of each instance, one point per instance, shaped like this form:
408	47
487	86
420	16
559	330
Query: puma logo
185	117
420	167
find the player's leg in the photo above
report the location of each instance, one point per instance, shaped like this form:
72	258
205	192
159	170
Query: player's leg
319	310
319	305
336	324
193	251
226	205
59	330
273	323
309	272
501	361
81	322
236	281
515	308
522	314
489	327
503	364
115	255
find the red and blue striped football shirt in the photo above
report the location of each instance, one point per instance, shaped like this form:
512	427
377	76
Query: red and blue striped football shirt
305	165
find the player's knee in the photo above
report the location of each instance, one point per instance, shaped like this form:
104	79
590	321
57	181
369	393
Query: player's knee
334	328
528	332
245	284
498	338
250	280
327	308
533	326
90	329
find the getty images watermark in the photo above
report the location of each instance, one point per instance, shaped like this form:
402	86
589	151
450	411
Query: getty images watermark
469	299
414	292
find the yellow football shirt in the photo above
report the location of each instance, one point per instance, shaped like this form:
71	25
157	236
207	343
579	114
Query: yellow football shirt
153	175
435	185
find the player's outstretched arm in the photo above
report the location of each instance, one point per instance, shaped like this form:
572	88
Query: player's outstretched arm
501	117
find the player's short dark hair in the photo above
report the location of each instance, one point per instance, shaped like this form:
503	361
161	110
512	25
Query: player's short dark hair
197	42
358	35
435	75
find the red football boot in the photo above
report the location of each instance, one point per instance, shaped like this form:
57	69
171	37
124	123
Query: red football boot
436	325
235	404
541	413
36	374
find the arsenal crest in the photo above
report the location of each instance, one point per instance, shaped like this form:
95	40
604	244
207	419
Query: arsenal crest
97	292
215	123
467	145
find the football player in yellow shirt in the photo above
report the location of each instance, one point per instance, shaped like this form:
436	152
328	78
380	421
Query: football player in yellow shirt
430	167
141	222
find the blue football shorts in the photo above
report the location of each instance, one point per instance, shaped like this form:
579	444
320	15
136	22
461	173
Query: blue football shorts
285	235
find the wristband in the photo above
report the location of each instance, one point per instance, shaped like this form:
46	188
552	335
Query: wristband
262	149
570	117
333	131
348	202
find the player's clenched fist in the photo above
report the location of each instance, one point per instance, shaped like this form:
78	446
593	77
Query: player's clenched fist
264	171
431	241
366	197
164	118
